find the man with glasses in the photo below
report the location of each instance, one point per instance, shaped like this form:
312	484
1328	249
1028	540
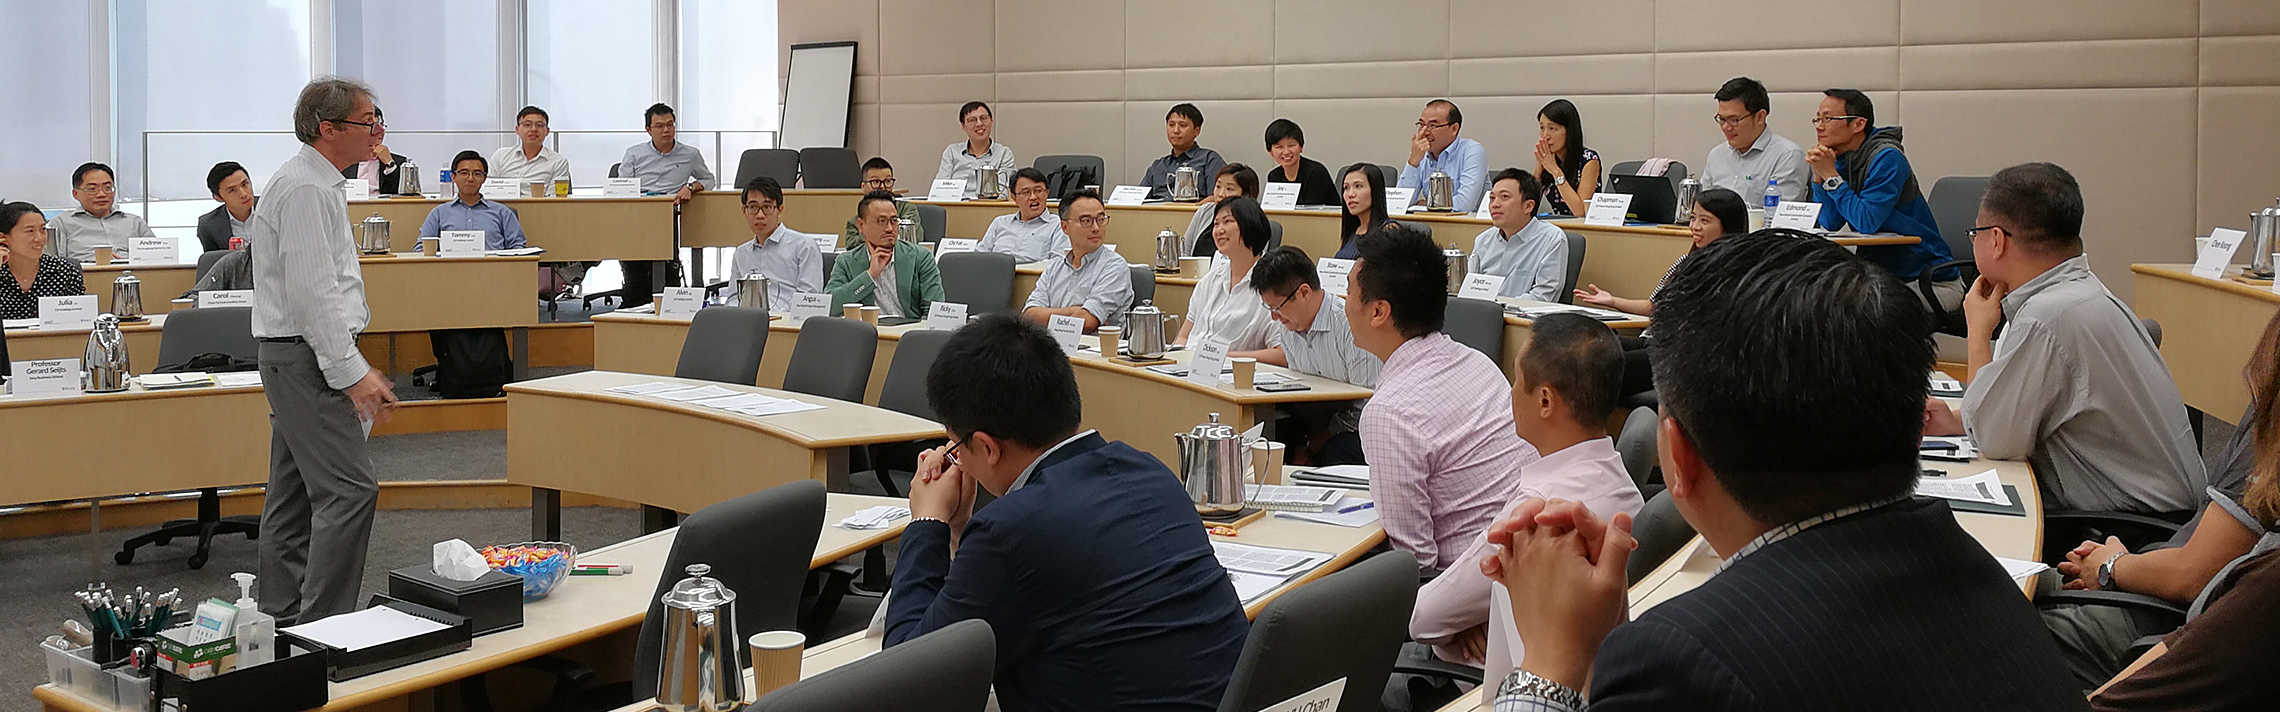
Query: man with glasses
1751	155
979	150
788	257
878	175
97	222
899	278
1863	181
532	161
1030	233
1437	147
1314	339
381	169
1083	281
665	166
502	229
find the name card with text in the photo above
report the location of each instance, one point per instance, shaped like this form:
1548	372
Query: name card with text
2210	265
1397	200
1795	215
1608	209
947	190
948	316
950	245
1332	272
152	251
827	244
1066	330
225	298
1481	286
1128	195
1320	699
808	304
356	189
501	189
621	188
1279	196
681	302
44	377
72	312
460	243
1210	357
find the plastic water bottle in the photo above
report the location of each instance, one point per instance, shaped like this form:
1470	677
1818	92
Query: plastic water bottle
1772	197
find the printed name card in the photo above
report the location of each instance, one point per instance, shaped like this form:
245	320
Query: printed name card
1397	200
356	189
622	188
1210	357
152	251
72	312
1795	215
2211	264
1066	331
1320	699
681	302
225	298
44	377
1128	195
1481	286
948	316
1333	271
1481	213
827	244
1608	209
947	190
808	304
1279	196
460	243
950	245
501	189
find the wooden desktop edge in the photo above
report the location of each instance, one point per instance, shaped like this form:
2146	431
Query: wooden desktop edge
129	395
2184	273
1248	396
730	419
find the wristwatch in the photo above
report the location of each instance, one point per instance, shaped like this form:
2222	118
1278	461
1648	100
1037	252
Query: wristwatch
2106	573
1833	183
1526	684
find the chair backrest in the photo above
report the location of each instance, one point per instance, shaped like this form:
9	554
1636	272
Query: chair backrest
1626	168
983	281
614	169
905	388
758	545
949	668
212	330
1478	323
1047	164
829	167
1676	172
1575	245
1636	445
932	221
1274	235
782	164
832	358
1143	284
1349	624
1661	532
206	262
725	345
1955	206
1388	172
2153	329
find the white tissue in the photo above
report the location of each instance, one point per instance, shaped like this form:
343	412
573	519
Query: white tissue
457	561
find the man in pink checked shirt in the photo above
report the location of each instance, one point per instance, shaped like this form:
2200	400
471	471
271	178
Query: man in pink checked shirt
1438	432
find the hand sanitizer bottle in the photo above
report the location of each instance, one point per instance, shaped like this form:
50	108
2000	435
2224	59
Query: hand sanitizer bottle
256	631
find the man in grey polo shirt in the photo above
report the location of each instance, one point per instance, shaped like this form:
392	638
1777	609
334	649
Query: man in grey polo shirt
97	222
1029	233
1752	153
1314	339
1084	281
791	259
2075	384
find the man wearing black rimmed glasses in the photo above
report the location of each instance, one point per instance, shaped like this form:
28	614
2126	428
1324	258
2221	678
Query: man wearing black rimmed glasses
1862	180
502	230
1752	154
1082	280
1437	147
878	174
380	169
1314	339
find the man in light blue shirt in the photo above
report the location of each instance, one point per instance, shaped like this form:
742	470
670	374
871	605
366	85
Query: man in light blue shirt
1437	147
502	229
664	165
1752	154
1530	254
1030	233
791	259
1085	281
1313	338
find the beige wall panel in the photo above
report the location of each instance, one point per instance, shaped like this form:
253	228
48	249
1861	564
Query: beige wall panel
1583	74
802	21
1172	86
2240	61
936	36
1037	35
1342	131
1360	30
866	90
911	136
863	135
1863	68
1087	127
2237	154
2051	65
1684	130
2238	17
1428	78
1619	127
937	89
2124	183
1775	24
1503	28
1233	128
1092	85
1162	33
1962	21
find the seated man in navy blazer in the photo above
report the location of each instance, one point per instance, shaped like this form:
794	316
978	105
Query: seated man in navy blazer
1091	566
1793	451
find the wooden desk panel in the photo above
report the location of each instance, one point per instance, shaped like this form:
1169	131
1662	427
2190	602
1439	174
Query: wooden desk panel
142	343
160	284
571	229
410	292
102	445
1144	408
2210	331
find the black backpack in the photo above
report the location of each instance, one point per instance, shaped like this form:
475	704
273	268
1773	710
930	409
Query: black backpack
471	363
1065	181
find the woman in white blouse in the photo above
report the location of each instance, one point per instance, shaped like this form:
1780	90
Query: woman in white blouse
1224	306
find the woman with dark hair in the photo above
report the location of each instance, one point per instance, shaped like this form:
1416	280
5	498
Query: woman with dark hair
1718	212
1568	169
1234	180
1361	208
1224	307
1286	144
31	273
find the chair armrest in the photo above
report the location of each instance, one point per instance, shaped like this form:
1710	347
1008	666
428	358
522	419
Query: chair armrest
2139	531
2135	602
1438	668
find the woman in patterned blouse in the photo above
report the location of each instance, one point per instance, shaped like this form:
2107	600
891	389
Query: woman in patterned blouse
1568	169
31	274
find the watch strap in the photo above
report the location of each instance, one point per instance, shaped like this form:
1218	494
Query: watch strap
1522	683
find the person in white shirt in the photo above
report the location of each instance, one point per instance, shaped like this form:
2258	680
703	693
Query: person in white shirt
791	259
531	161
97	222
1531	255
979	150
1031	232
1224	307
1752	155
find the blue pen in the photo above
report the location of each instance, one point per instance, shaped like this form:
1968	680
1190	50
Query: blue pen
1357	508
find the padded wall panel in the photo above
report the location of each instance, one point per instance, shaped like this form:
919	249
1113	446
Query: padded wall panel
866	89
911	137
802	21
1172	86
936	36
1059	34
1199	33
1045	128
1504	28
1232	128
1076	85
1582	74
1342	131
1360	30
1684	129
938	88
1962	21
2241	61
863	132
1428	78
2238	153
2239	17
1863	68
1775	24
2051	65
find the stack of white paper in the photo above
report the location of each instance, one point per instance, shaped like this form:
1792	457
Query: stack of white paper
365	628
879	517
1360	516
693	393
1249	586
1984	487
643	389
237	379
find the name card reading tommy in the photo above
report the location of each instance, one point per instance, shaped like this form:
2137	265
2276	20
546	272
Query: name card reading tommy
72	312
1608	209
225	298
681	302
151	251
947	190
1481	286
948	316
808	304
1210	357
1795	215
460	243
2211	262
622	188
1279	196
1066	331
950	245
1128	195
44	377
1397	200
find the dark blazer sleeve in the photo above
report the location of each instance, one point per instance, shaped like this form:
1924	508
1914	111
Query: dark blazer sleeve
1649	665
930	591
214	229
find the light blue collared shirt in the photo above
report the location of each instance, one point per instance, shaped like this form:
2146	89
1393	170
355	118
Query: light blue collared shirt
1027	240
1532	262
502	229
1464	160
662	173
1102	285
791	260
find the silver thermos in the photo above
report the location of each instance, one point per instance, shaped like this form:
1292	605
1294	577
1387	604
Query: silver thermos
372	234
1455	260
1145	328
1440	191
1211	465
700	670
126	297
1185	183
407	178
1167	251
986	184
107	368
2263	226
1688	191
752	291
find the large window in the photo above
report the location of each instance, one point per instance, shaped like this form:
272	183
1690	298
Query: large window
233	66
435	66
728	80
47	125
589	63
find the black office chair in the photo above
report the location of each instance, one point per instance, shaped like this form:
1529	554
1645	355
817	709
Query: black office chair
1075	170
904	391
1143	284
949	669
725	345
829	167
1661	532
1955	206
1636	445
1349	625
190	333
1478	323
782	164
983	281
832	358
614	169
1390	173
932	221
1575	249
206	262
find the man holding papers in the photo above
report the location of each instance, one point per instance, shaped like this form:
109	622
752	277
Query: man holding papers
1090	567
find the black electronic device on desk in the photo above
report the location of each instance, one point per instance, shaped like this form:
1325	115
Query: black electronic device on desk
1653	200
343	664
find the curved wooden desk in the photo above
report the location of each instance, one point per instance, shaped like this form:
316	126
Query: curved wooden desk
648	343
34	343
160	283
2212	328
146	441
571	229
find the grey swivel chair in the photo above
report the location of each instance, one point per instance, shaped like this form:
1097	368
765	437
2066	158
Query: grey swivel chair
832	358
1143	284
782	164
829	167
1349	624
206	262
1575	248
1636	445
950	669
1274	235
2152	329
1955	207
1626	168
1390	173
725	345
759	545
1661	532
932	221
614	169
190	333
1478	323
983	281
904	391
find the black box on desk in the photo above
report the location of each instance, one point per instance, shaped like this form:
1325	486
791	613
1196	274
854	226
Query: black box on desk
344	665
295	681
492	602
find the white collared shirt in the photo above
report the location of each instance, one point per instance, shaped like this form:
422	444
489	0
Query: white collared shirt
306	280
549	166
1226	309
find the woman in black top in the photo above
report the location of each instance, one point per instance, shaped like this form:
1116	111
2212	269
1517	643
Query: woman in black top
31	274
1361	208
1568	169
1285	143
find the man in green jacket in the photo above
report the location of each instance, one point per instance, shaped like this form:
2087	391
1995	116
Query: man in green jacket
898	277
879	175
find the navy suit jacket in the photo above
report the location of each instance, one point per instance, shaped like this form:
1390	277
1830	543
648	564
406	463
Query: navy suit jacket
1097	579
1891	609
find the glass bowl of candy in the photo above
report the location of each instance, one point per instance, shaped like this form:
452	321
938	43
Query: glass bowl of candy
541	564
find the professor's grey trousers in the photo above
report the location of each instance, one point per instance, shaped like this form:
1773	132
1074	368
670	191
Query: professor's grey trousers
318	516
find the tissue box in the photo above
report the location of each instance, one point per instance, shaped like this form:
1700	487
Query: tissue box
195	661
492	603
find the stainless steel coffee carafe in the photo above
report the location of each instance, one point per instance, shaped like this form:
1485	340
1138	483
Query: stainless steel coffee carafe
1211	464
1440	191
1167	251
407	178
107	368
1688	191
1455	260
700	671
752	291
2263	227
986	184
372	235
1186	181
1145	329
126	297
